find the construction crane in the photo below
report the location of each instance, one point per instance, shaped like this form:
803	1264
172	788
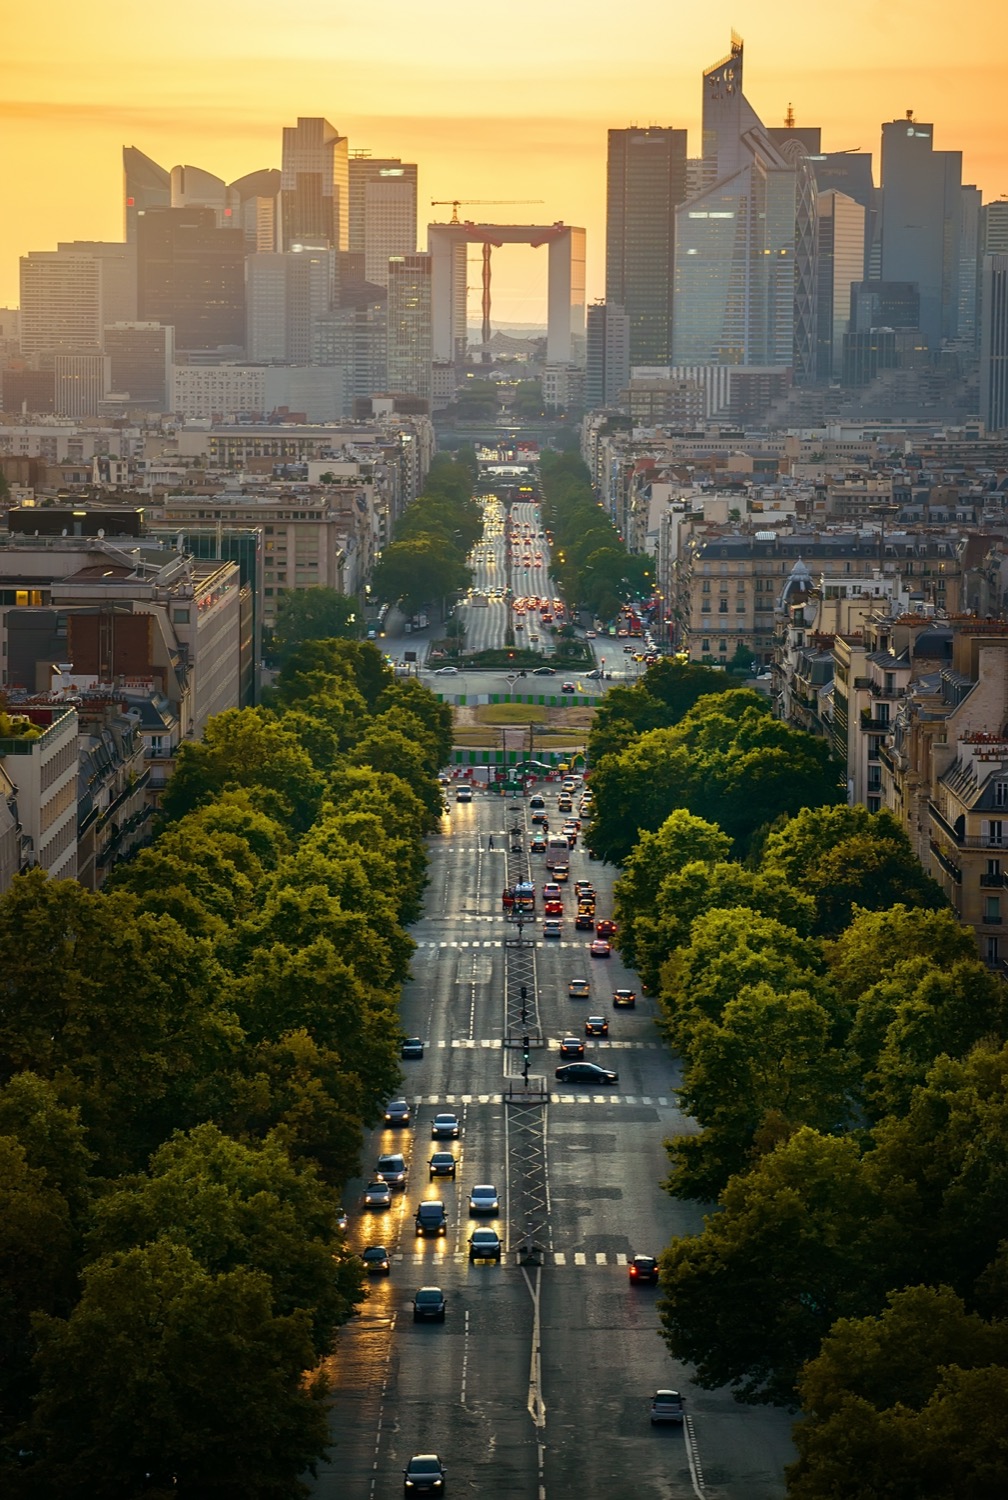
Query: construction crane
456	204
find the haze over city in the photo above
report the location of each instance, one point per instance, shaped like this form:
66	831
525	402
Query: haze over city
490	106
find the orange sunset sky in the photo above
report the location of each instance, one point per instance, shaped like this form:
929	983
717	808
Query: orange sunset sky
493	101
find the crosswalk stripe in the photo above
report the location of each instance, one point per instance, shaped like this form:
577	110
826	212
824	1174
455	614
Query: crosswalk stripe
558	1258
448	1101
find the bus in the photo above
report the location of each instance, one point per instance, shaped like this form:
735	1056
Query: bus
557	850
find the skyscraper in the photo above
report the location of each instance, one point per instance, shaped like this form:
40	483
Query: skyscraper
284	295
841	265
70	293
850	172
145	185
645	180
745	243
607	366
921	220
410	334
191	275
314	185
383	212
994	343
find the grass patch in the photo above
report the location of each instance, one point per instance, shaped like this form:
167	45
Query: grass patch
512	713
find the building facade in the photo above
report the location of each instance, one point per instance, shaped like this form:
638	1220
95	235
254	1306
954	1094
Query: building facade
314	186
645	182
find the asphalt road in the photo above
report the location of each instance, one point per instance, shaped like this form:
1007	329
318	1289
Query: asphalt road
537	1384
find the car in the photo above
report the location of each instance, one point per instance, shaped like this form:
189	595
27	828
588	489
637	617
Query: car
551	891
627	998
540	818
606	928
543	671
599	948
483	1199
568	687
561	872
571	1046
579	989
484	1244
553	907
430	1217
584	888
397	1112
377	1195
463	794
586	1072
429	1305
537	800
564	803
445	1125
442	1164
584	921
424	1475
446	671
570	833
537	844
591	634
596	1026
667	1406
342	1220
391	1168
412	1047
643	1270
376	1260
552	928
569	783
627	650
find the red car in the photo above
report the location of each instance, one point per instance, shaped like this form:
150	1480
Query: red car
553	908
605	928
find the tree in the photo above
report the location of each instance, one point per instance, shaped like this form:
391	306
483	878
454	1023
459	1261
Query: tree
802	1239
936	936
847	858
246	747
419	571
908	1403
390	751
353	673
770	1065
423	705
236	1204
313	614
682	839
164	1369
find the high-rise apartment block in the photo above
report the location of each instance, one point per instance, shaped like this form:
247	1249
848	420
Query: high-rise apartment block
645	181
921	221
140	360
285	295
314	186
70	293
383	212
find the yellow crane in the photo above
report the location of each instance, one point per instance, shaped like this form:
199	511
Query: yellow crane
457	203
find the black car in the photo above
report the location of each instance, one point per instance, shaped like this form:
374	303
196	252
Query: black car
430	1217
442	1164
643	1270
397	1112
429	1305
585	1072
424	1475
412	1047
376	1260
544	672
484	1244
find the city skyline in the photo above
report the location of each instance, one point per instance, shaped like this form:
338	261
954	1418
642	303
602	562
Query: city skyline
527	120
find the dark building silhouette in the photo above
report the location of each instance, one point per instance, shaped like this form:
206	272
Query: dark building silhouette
646	180
191	275
145	185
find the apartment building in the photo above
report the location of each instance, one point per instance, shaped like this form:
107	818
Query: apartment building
40	761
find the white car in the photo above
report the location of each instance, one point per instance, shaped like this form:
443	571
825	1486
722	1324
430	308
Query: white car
483	1199
446	671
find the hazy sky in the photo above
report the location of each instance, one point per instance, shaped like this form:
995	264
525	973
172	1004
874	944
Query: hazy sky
509	101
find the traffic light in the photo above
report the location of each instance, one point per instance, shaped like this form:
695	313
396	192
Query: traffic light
525	1049
524	991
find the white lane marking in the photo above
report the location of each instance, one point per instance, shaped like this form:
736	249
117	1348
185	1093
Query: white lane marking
465	1358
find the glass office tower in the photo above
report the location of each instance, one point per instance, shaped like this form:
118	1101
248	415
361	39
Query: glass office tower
645	180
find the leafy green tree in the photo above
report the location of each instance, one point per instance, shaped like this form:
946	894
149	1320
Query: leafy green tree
770	1065
234	1205
393	867
802	1239
422	570
908	1403
164	1369
249	748
391	752
353	673
727	950
856	957
313	614
847	858
423	705
361	788
682	839
52	1136
696	888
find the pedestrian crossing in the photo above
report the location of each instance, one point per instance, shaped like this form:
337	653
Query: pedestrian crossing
499	942
578	1258
447	1101
494	1044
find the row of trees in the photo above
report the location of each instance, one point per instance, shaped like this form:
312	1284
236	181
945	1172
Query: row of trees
845	1064
589	558
186	1063
426	560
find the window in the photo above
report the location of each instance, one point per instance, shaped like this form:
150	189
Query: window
993	956
722	606
993	870
994	831
705	645
722	645
180	616
1001	794
992	909
706	586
